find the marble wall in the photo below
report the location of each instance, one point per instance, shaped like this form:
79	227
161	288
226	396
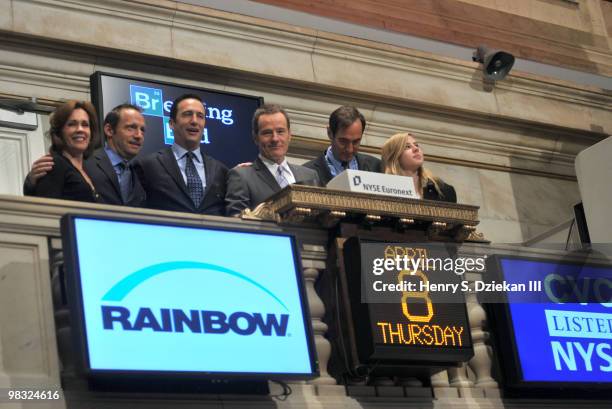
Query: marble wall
567	33
513	207
28	351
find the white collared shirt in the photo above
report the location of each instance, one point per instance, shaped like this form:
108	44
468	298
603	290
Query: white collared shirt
273	168
179	154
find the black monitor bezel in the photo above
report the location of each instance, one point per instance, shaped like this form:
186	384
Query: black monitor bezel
79	334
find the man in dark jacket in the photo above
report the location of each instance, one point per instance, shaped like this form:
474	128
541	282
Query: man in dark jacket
183	178
109	167
345	130
248	186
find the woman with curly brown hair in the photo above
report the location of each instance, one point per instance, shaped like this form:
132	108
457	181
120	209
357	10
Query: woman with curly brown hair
402	155
74	132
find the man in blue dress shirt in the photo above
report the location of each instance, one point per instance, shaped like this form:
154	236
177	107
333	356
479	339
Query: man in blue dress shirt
345	130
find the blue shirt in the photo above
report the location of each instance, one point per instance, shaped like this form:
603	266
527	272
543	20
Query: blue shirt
181	160
335	166
116	161
123	172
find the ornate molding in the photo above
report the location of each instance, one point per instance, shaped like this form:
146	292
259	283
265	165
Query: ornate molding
308	205
41	216
546	39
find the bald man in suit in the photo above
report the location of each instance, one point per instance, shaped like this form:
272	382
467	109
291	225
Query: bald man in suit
249	186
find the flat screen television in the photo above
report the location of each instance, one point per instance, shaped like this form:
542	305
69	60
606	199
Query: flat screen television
227	134
557	339
160	299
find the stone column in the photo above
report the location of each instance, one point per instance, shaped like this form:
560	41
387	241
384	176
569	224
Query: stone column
481	363
458	377
61	314
441	386
63	329
313	262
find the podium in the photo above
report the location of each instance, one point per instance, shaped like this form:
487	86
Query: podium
352	217
315	206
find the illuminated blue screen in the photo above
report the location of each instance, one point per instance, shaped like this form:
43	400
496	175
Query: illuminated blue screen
566	337
167	298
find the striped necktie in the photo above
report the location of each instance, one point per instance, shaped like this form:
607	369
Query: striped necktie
280	177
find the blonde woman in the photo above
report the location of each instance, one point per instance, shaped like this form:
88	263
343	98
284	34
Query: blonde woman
402	155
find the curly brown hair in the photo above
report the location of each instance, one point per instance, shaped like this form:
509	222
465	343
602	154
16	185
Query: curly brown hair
60	116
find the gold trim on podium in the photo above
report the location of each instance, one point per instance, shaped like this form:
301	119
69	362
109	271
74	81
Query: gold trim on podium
299	204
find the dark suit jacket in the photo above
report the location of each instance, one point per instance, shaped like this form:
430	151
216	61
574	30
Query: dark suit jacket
99	168
364	162
251	185
448	192
165	188
63	181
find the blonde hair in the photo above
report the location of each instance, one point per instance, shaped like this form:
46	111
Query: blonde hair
391	152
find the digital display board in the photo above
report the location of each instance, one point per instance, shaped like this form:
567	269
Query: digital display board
170	299
409	325
560	337
227	134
